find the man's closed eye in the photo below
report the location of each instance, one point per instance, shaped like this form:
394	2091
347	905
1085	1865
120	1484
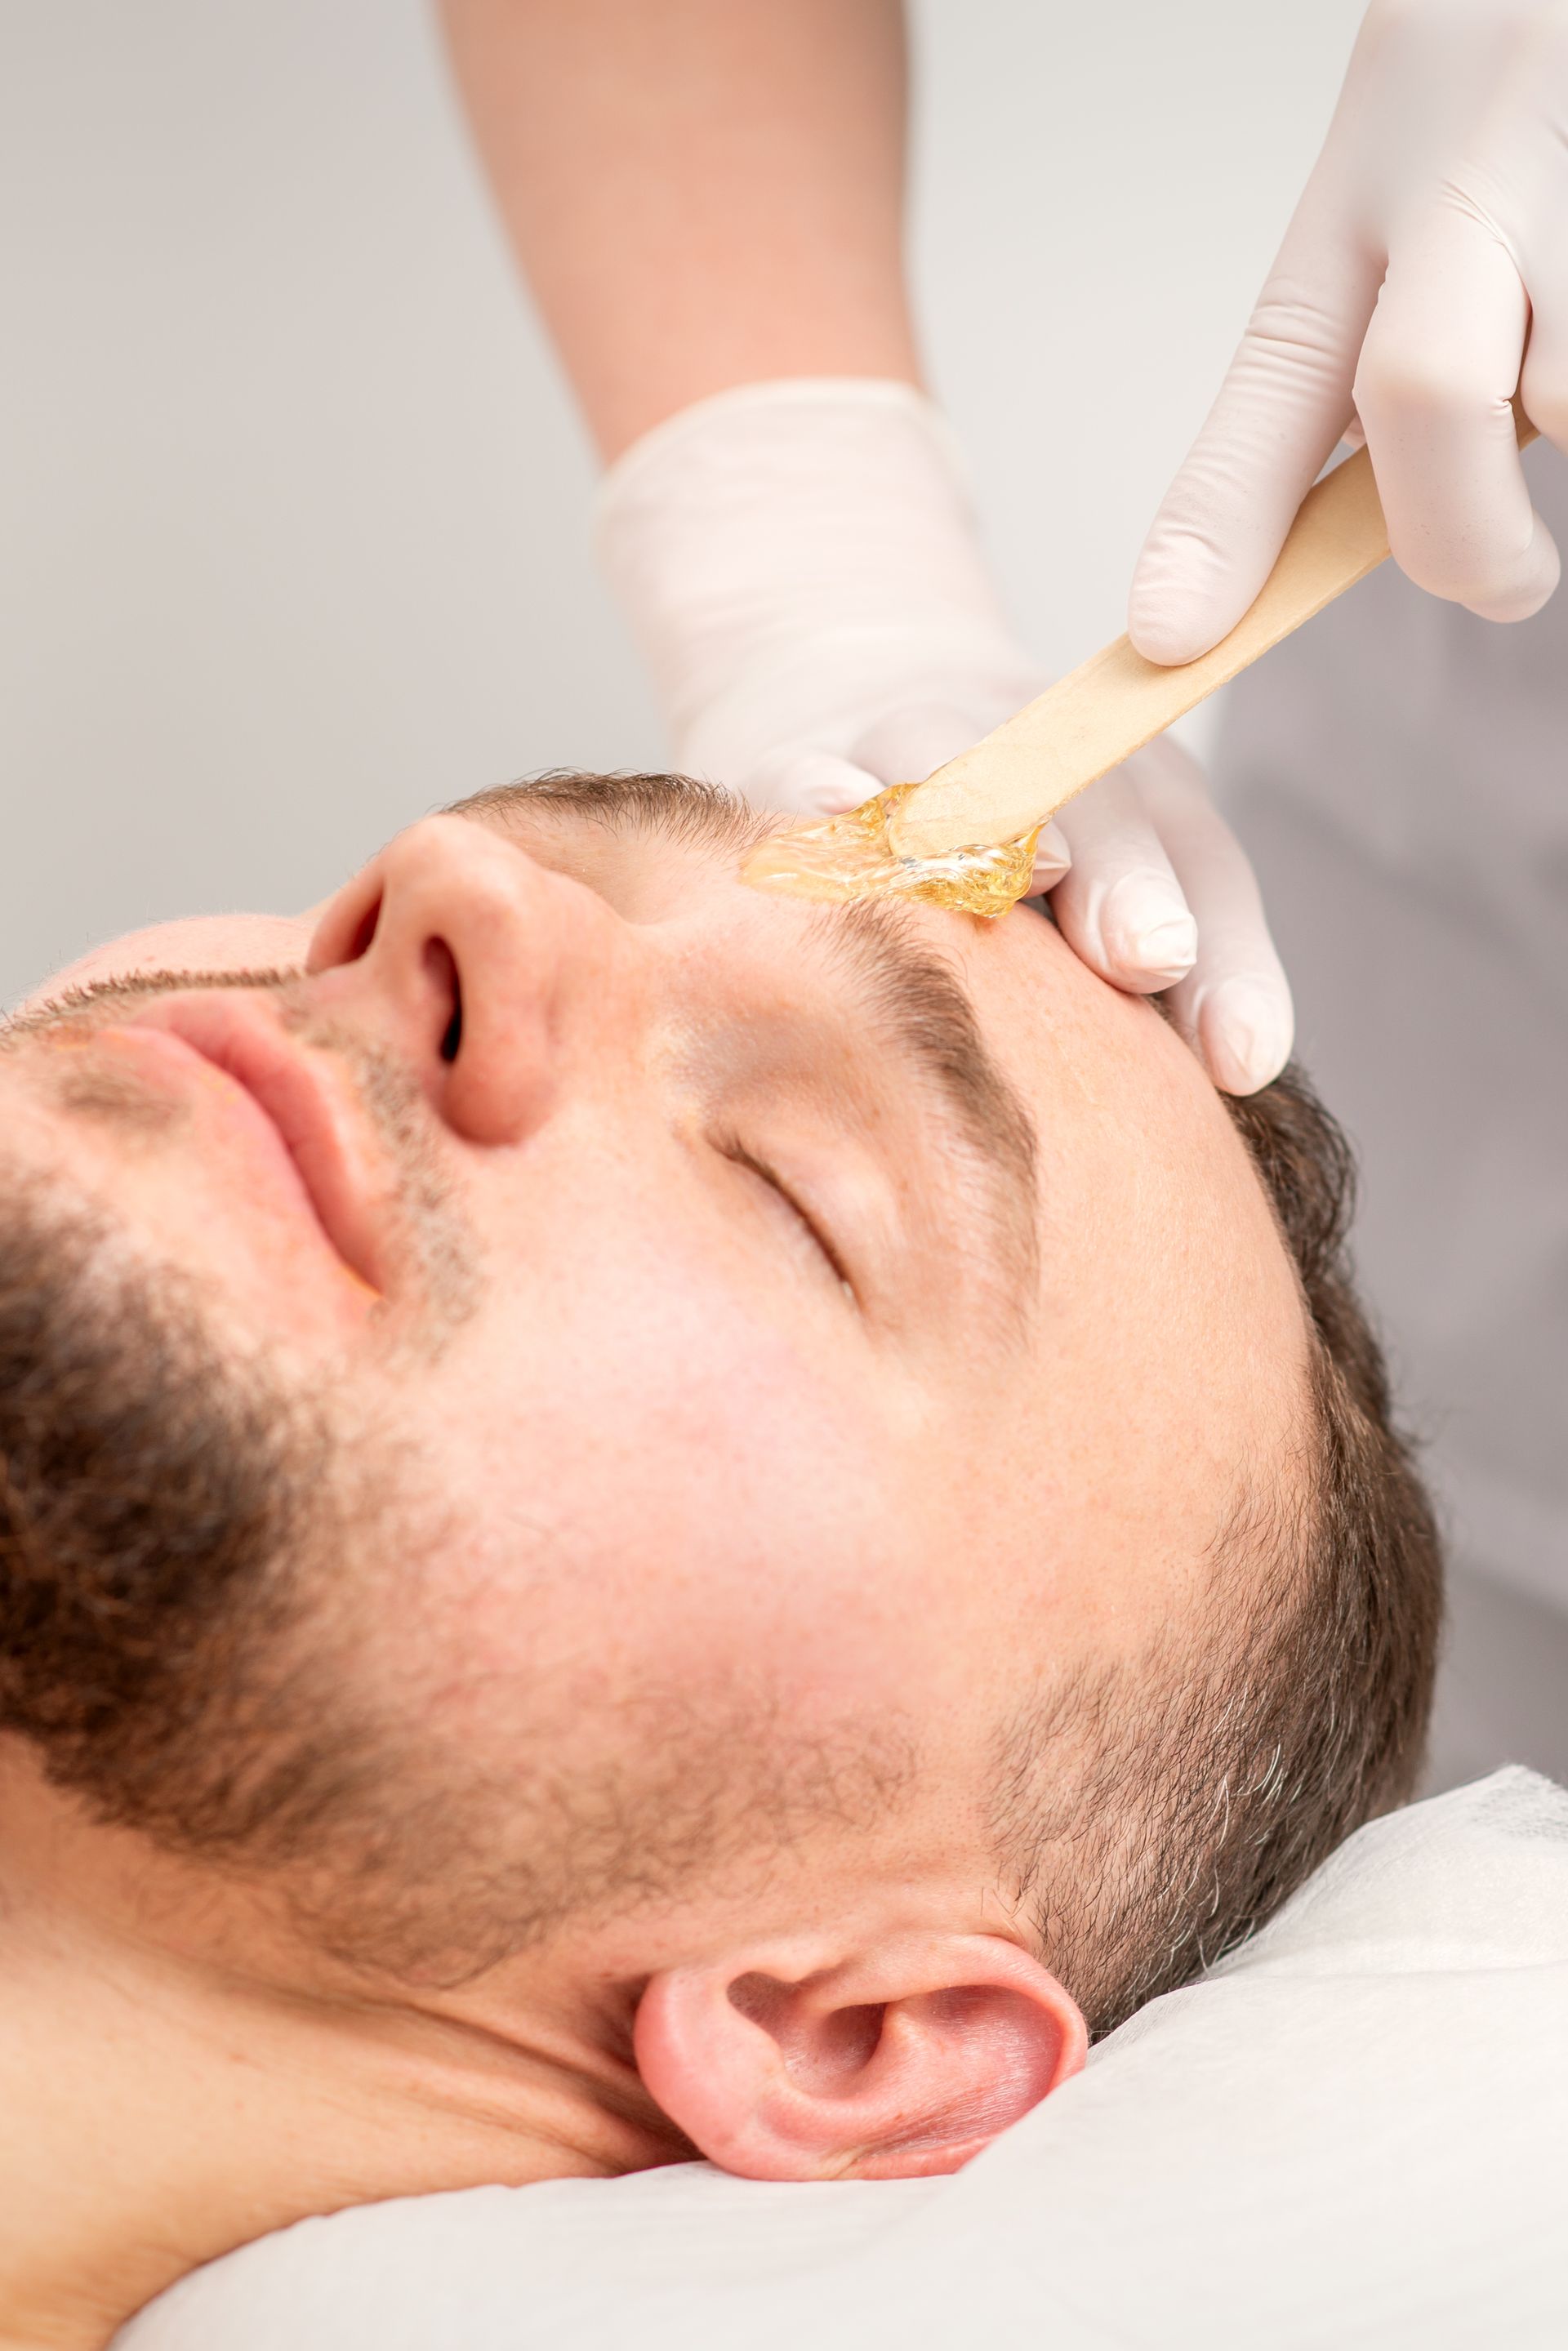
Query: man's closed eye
807	1227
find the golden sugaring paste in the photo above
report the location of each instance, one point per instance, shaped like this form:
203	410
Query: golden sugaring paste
846	857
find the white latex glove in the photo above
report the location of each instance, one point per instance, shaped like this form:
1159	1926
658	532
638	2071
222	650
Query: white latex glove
1431	240
798	564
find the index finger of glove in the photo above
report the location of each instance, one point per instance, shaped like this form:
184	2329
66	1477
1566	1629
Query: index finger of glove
1284	405
1441	363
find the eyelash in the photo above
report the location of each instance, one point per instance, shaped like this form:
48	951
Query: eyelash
743	1158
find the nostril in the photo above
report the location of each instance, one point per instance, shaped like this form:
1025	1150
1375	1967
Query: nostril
364	931
441	970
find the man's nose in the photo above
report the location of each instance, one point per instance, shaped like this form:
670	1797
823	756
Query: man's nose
484	971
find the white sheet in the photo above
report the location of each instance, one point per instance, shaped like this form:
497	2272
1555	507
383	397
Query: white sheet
1355	2132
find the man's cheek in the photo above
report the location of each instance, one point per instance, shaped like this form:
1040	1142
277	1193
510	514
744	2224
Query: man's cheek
684	1485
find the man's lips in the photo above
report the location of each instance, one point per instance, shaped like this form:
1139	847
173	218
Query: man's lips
319	1129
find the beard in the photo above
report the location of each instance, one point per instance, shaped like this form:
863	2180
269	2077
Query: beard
155	1508
193	1557
172	1512
190	1537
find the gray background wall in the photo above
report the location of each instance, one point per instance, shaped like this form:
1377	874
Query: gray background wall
293	506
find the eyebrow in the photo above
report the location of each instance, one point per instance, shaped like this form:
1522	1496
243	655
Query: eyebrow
925	1015
920	1011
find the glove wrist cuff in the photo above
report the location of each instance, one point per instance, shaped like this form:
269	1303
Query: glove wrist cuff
778	517
783	405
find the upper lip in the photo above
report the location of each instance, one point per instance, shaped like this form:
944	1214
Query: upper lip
318	1125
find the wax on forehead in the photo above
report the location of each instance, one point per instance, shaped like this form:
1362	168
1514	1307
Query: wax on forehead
843	857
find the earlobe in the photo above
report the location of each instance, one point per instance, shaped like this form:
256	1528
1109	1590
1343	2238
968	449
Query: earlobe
788	2064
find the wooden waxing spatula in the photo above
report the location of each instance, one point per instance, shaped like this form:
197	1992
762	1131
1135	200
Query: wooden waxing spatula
1088	722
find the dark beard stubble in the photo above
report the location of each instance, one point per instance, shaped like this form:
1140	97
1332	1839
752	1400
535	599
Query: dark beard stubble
153	1500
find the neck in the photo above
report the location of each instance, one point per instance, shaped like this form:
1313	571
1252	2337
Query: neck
163	2103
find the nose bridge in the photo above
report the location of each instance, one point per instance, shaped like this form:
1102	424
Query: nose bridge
501	976
487	897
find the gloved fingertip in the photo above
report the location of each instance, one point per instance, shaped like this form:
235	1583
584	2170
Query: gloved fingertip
1170	640
1245	1031
1533	586
1147	937
1169	620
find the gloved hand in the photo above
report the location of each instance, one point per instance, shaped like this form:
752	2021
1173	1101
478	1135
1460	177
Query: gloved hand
1431	239
798	564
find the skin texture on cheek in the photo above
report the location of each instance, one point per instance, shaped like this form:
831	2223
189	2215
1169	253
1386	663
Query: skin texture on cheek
706	1495
695	1570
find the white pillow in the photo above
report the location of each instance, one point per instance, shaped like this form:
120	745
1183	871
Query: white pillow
1353	2132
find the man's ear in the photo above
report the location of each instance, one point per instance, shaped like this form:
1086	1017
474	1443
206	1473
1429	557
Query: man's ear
908	2059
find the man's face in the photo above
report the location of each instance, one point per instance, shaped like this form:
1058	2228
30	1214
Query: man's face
802	1332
